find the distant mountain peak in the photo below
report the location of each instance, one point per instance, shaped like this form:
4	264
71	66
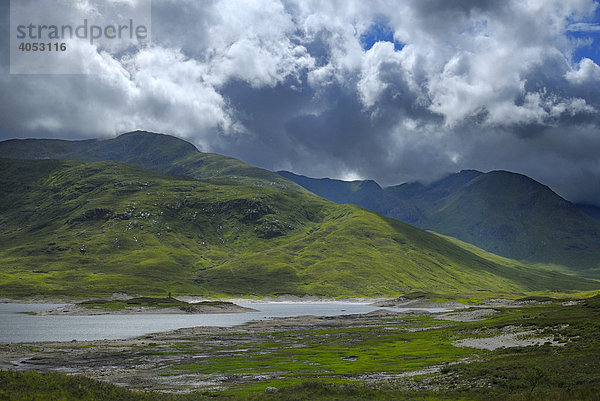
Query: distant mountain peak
470	172
500	211
154	136
149	134
142	132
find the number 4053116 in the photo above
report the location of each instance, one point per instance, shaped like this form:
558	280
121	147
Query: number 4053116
42	47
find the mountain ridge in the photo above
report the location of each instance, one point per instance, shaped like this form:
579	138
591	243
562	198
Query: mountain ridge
151	151
527	224
506	213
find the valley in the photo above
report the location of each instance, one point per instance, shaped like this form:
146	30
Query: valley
300	200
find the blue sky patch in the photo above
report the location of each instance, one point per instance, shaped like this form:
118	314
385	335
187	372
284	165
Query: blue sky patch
588	31
379	32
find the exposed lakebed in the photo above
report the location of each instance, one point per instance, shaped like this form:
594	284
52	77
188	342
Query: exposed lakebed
379	347
19	326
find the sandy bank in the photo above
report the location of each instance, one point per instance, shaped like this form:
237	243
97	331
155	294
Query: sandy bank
519	339
77	310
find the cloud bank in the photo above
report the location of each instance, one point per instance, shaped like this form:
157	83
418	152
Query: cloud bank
388	90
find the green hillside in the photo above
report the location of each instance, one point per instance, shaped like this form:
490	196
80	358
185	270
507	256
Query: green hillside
82	229
511	215
504	213
156	152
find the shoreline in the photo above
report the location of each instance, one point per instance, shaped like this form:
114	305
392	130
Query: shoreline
195	299
71	307
77	310
183	354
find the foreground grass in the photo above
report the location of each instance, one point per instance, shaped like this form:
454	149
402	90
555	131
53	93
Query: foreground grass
26	386
21	386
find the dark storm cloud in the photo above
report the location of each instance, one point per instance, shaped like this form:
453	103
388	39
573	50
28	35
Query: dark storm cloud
291	85
332	132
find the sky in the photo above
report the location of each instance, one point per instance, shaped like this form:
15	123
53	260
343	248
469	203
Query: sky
393	91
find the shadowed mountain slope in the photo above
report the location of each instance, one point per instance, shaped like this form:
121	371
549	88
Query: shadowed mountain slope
502	212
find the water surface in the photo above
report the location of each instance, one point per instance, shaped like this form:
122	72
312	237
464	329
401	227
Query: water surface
16	326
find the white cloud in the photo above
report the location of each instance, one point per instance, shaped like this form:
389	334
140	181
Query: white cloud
584	27
459	62
585	71
170	94
371	86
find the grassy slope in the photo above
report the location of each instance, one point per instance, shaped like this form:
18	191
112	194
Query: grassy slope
156	152
512	215
21	386
81	229
505	213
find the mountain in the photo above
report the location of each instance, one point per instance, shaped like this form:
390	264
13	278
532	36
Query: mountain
367	194
590	210
72	228
156	152
505	213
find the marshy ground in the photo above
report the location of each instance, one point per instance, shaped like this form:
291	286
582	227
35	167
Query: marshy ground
516	351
